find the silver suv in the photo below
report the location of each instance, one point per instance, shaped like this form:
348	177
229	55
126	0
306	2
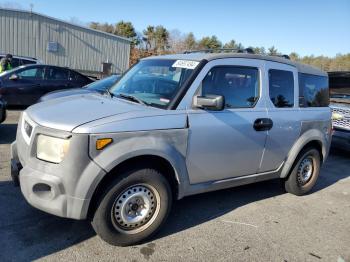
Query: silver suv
171	127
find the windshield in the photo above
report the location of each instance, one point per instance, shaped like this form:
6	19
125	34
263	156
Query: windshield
154	82
103	84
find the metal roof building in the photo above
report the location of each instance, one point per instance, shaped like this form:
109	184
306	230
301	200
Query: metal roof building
61	43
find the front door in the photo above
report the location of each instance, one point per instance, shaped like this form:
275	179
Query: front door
23	89
225	144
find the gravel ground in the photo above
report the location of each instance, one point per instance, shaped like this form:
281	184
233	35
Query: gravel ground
257	222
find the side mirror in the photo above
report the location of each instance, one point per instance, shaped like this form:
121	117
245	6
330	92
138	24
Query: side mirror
211	102
13	77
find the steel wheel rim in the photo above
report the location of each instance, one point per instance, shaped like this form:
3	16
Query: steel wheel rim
305	171
135	209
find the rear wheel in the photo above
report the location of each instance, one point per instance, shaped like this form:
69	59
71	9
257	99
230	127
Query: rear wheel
305	172
133	208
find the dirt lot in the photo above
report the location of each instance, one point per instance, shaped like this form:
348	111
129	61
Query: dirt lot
251	223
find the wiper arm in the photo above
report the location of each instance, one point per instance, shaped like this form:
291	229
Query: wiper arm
109	93
132	98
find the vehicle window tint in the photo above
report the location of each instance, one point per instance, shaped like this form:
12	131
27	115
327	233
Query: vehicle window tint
281	88
57	74
76	77
15	62
32	73
27	62
239	85
313	91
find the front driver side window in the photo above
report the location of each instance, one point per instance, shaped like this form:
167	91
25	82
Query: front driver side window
32	73
239	85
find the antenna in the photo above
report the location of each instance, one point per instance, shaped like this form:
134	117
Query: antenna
31	5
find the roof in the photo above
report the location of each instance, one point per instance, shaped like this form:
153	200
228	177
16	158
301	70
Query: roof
65	22
302	68
20	56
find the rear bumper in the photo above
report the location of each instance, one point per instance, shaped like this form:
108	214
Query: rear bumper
341	139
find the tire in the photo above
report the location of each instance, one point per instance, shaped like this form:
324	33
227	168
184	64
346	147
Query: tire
305	172
133	208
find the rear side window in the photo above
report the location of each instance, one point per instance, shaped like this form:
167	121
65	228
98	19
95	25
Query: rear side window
57	73
239	85
313	91
281	86
76	77
27	62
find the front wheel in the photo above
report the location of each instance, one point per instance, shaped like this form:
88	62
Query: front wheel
133	208
304	173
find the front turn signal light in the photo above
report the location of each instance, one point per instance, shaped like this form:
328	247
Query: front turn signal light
103	142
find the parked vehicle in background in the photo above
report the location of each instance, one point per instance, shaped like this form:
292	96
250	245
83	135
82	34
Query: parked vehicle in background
22	60
173	126
339	84
2	110
99	86
24	85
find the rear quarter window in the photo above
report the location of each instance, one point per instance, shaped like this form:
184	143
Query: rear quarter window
313	91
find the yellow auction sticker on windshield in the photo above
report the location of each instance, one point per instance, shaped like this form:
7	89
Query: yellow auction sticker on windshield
186	64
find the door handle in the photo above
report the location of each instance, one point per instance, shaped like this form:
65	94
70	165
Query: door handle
263	124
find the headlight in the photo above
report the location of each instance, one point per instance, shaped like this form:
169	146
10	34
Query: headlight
51	149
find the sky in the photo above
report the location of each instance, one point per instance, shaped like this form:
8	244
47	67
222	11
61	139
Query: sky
308	27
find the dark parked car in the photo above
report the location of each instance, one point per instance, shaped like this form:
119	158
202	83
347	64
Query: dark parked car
99	86
24	85
339	84
2	111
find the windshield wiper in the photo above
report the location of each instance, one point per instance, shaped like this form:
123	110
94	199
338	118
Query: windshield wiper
132	98
109	93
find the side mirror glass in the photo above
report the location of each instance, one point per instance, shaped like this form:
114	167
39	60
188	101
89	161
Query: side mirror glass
210	102
13	77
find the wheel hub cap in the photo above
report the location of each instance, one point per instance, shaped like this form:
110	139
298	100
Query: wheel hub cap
135	208
305	171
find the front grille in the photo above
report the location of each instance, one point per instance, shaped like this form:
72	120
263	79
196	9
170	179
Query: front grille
344	121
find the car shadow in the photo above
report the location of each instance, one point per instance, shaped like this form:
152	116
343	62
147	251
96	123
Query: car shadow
198	209
29	234
7	133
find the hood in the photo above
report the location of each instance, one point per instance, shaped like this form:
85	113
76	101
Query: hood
69	112
345	105
63	93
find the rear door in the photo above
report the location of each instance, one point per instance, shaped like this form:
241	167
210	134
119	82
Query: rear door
225	144
77	80
56	78
283	109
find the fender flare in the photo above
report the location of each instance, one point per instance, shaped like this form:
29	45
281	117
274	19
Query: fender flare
307	137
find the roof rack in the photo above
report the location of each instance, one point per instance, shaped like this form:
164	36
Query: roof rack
231	50
283	56
221	50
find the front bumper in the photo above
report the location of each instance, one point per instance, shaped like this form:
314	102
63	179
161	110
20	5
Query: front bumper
63	189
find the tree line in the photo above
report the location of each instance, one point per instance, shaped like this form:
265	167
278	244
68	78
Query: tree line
158	40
